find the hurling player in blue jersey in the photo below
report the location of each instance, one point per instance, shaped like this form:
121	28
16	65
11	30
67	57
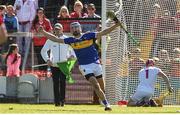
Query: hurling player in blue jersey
87	55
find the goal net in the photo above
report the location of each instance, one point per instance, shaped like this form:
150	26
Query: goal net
156	25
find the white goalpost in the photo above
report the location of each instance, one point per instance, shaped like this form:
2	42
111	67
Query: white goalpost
156	26
114	52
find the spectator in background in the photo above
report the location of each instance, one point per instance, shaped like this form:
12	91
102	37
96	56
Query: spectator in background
164	61
156	17
61	18
78	7
26	12
2	11
40	20
165	26
168	22
91	11
177	16
58	53
3	32
92	25
11	20
3	36
85	8
36	4
136	63
13	61
175	74
175	64
11	23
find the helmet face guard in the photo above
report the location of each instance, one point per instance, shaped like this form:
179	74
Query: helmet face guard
75	28
75	25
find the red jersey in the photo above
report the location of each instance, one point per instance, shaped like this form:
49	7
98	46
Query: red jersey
65	24
75	15
1	20
40	41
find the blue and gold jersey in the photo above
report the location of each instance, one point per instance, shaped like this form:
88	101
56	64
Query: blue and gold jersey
84	48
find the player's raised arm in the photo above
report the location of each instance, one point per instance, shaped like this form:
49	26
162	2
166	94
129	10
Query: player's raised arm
50	35
107	30
163	75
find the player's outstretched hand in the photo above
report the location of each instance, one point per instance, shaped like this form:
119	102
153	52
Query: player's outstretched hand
112	16
115	19
40	29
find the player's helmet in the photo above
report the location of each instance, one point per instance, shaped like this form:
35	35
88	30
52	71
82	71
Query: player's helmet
75	25
149	62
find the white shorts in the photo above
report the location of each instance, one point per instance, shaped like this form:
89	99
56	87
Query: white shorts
94	68
141	95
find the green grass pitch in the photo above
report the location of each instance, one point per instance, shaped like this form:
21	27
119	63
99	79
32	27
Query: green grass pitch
76	109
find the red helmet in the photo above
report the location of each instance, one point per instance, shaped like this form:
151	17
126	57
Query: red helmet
149	62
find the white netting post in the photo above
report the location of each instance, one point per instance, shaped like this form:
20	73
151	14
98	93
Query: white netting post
114	52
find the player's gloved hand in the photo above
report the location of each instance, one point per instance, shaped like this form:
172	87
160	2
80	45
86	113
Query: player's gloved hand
71	57
111	15
49	63
115	19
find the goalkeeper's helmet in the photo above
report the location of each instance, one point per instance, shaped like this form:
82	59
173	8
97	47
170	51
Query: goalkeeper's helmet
149	62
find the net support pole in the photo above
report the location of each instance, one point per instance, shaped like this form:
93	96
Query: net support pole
103	45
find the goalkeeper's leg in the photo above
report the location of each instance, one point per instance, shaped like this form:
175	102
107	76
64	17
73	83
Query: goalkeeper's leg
153	103
140	98
131	103
142	103
136	99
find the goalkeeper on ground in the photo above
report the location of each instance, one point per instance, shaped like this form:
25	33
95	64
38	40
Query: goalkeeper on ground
145	90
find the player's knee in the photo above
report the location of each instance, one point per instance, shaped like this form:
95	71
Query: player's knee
91	78
143	103
96	87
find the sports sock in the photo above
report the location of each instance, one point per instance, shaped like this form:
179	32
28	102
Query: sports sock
106	104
